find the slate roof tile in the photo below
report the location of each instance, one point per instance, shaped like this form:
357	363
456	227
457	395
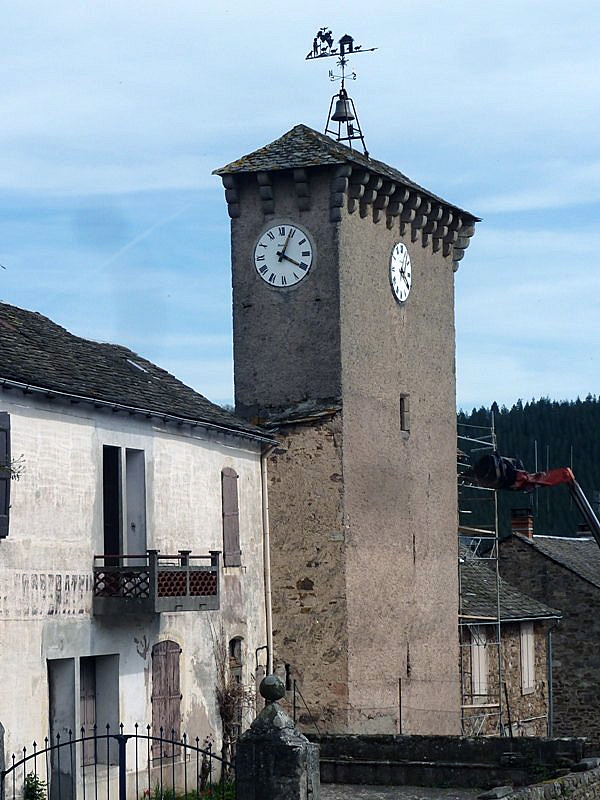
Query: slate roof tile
479	598
304	147
38	352
579	555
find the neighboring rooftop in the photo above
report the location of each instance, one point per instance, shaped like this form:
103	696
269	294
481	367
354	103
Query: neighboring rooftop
36	352
581	555
304	147
479	596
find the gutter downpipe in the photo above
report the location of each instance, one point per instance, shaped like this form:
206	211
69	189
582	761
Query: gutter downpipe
550	688
267	554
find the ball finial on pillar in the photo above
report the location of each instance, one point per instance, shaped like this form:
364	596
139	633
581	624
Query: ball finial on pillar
272	688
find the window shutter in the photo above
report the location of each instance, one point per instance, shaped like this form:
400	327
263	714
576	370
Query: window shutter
527	658
232	555
4	473
166	693
479	664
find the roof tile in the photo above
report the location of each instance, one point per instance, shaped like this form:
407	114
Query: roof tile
38	352
580	555
304	147
479	595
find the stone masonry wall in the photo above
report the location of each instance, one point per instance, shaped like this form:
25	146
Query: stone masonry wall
576	656
575	786
529	711
307	564
478	761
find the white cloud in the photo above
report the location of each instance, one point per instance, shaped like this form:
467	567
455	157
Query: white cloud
495	105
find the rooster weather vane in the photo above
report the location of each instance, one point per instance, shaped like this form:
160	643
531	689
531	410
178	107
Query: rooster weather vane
343	123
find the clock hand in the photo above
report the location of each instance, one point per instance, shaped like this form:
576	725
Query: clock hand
287	258
282	254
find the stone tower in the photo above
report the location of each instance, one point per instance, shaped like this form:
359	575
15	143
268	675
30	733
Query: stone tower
343	309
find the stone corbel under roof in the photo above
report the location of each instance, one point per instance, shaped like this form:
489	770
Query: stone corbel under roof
358	183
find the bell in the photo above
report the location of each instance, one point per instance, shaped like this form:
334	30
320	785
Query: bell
343	110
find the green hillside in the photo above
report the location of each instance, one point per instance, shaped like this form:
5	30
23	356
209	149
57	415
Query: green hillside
567	434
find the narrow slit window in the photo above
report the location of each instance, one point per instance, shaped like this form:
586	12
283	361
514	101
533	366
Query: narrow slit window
404	413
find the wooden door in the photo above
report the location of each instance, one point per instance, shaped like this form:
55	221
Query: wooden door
87	685
166	695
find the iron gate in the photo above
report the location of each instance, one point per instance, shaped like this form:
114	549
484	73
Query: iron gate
127	766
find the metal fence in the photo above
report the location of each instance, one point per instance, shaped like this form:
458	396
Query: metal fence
127	766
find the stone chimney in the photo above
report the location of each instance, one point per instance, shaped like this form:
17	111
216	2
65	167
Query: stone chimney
521	520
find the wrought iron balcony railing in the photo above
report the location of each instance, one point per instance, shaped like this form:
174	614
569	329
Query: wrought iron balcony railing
153	583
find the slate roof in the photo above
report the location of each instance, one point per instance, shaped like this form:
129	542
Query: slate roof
479	599
304	147
39	353
580	555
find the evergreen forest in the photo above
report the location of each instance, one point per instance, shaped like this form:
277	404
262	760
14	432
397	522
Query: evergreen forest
544	434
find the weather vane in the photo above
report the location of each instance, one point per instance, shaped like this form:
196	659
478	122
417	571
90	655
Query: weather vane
343	122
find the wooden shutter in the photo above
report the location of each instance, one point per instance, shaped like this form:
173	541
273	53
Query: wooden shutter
166	693
479	664
527	658
232	555
4	473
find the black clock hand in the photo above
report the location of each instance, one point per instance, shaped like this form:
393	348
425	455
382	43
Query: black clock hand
287	258
282	254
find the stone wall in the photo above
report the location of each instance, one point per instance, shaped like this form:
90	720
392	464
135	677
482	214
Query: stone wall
576	655
56	528
444	760
307	566
575	786
528	710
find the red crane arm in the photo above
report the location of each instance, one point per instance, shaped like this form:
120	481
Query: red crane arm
527	481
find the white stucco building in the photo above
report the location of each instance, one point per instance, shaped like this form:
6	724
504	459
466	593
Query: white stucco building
118	459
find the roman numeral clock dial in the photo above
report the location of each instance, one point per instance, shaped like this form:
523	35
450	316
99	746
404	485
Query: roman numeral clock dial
400	272
283	255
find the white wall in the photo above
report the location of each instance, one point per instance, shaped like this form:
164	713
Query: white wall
56	527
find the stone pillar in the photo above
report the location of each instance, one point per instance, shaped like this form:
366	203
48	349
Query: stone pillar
273	760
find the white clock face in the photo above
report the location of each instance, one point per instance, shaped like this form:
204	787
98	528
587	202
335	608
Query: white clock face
283	255
400	272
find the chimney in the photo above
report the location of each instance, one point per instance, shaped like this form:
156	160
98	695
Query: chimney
521	520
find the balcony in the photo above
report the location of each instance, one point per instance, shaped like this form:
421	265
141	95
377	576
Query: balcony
155	583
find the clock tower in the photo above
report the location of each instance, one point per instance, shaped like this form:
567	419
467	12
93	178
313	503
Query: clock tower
343	316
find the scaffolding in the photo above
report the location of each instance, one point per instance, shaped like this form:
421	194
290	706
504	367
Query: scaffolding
481	668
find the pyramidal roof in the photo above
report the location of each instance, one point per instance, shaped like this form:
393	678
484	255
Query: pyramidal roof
38	354
303	147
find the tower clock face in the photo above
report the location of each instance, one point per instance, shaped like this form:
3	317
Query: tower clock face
283	255
400	272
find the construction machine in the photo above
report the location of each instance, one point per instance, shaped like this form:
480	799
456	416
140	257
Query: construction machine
500	472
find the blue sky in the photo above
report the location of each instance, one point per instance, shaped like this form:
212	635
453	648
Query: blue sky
115	114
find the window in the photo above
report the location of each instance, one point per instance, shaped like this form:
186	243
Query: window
235	672
232	555
527	658
479	664
404	413
123	533
4	473
111	500
166	696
